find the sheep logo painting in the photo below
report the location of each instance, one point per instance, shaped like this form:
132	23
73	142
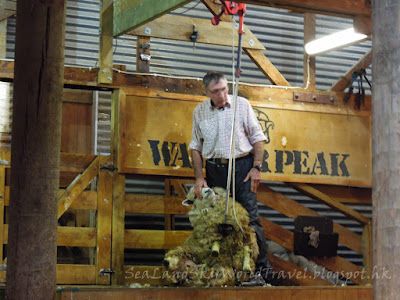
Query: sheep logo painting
265	122
209	257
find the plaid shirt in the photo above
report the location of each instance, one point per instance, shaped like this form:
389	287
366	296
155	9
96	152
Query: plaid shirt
211	133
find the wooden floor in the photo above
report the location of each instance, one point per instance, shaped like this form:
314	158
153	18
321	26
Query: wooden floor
248	293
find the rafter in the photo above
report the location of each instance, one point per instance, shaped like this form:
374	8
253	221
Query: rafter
262	62
340	8
129	14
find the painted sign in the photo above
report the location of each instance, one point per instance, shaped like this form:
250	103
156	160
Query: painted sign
301	146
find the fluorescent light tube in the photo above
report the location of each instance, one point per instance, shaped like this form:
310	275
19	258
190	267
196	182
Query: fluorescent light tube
333	41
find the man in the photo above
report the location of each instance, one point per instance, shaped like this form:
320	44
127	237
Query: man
212	125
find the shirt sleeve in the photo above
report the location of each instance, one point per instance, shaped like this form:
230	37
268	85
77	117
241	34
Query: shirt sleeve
197	142
253	127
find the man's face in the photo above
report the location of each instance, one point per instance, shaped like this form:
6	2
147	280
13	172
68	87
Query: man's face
218	92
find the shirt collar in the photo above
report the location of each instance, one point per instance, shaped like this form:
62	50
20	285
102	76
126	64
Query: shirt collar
228	103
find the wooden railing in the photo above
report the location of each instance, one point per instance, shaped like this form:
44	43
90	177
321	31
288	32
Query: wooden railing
109	237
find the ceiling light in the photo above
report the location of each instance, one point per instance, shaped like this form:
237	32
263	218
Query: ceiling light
334	41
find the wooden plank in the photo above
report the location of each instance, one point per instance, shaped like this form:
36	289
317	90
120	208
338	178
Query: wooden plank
265	65
363	24
277	97
75	274
76	128
76	236
105	71
103	225
179	187
154	239
3	38
115	128
7	9
215	8
294	273
74	190
292	209
118	229
345	80
76	160
346	194
2	200
129	14
165	28
146	204
339	8
331	154
220	293
314	193
337	264
77	96
367	253
68	236
309	61
142	47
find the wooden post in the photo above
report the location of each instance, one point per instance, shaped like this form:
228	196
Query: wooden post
367	253
35	149
118	229
386	148
143	48
103	225
309	62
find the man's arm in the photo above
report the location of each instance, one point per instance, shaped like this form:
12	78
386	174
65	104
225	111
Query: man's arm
254	174
197	161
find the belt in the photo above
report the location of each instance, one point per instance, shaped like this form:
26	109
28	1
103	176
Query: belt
225	161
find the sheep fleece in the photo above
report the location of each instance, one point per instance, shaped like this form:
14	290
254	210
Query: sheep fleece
192	264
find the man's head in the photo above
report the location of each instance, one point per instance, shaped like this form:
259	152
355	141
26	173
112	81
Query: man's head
217	88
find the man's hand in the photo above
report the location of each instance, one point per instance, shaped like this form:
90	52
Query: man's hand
255	176
200	183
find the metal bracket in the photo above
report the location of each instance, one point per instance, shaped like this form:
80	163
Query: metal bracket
104	272
313	98
145	57
108	166
145	46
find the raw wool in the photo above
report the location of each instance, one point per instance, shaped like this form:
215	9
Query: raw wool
303	262
193	264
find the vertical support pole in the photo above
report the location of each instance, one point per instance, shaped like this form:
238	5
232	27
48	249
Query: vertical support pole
367	253
104	223
143	47
106	42
2	197
309	62
386	148
35	147
118	229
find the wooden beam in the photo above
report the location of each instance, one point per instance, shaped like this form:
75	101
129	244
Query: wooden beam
345	194
363	24
146	204
338	8
76	274
103	225
77	186
336	205
129	14
293	209
345	81
266	66
295	273
166	27
7	9
309	61
118	229
106	42
155	239
261	61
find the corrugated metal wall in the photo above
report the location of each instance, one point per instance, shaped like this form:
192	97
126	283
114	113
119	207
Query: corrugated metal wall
279	31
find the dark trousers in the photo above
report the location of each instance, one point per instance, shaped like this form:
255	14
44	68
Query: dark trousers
217	175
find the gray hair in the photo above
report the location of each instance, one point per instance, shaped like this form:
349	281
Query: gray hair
212	76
